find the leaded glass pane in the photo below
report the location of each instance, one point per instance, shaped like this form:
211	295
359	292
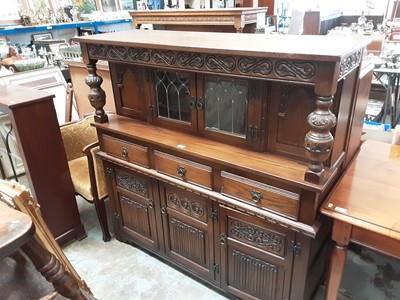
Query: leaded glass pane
226	106
173	95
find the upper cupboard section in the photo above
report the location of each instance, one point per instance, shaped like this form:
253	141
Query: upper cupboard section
250	113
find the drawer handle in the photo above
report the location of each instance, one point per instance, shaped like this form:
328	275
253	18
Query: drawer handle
256	196
151	205
163	209
192	103
124	152
181	171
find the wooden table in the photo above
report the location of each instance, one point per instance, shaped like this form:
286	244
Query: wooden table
365	207
17	231
220	20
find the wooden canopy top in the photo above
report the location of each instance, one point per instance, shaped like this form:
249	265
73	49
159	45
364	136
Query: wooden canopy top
293	47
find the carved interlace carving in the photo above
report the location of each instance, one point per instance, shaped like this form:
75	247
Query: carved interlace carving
257	67
163	57
191	60
132	183
186	19
252	65
117	52
350	62
187	206
224	63
138	54
319	141
250	18
304	70
260	237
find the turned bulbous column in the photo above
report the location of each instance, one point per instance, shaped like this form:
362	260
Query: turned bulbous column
318	141
97	96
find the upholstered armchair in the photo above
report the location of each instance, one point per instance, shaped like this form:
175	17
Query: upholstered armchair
81	146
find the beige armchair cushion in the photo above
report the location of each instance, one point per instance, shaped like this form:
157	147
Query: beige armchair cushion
76	136
80	176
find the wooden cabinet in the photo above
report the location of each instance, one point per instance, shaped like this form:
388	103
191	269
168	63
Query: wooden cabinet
231	143
34	121
212	20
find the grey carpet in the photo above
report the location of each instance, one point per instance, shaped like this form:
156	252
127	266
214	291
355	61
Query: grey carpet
118	270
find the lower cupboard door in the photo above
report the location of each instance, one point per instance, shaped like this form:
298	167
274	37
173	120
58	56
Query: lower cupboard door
188	230
247	270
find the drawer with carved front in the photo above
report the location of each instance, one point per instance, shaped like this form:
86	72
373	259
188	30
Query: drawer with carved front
261	195
186	170
127	151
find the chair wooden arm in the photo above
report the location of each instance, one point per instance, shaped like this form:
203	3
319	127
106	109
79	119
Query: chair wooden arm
91	165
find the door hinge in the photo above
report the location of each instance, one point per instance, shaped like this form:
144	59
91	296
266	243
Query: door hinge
252	132
153	111
215	268
109	173
295	248
214	215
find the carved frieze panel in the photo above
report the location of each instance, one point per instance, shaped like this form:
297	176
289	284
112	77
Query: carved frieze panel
190	60
185	19
187	206
350	62
163	57
294	69
255	66
224	64
220	63
257	236
132	183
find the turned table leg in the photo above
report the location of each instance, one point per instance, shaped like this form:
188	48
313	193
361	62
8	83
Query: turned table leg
49	266
341	236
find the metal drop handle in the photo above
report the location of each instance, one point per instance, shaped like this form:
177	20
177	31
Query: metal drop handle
256	196
181	171
124	152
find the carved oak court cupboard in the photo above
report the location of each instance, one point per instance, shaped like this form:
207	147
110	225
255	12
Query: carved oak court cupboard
224	146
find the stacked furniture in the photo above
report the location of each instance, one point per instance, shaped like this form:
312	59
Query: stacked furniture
224	146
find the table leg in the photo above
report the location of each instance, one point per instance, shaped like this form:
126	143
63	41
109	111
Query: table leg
50	267
341	236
